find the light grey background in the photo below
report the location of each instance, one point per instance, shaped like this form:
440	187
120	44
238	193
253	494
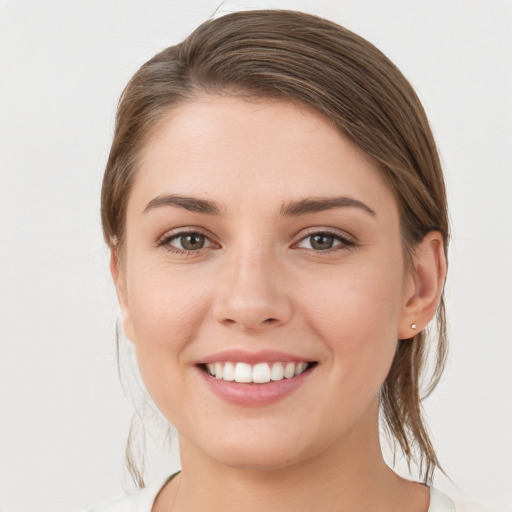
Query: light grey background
63	64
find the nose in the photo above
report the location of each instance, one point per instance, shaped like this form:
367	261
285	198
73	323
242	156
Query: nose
252	294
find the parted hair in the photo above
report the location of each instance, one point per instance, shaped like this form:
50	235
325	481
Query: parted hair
298	57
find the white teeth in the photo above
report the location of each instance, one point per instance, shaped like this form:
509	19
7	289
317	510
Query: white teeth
300	368
277	372
289	370
228	372
260	373
243	372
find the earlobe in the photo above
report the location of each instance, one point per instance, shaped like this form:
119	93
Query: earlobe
424	286
119	278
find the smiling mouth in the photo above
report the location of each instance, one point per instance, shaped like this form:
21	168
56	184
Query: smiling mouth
260	373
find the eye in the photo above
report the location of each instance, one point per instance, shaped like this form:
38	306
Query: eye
185	242
325	241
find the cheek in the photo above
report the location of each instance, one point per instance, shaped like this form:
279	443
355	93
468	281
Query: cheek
164	313
163	325
357	315
163	305
365	298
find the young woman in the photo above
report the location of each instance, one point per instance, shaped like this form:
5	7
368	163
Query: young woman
276	213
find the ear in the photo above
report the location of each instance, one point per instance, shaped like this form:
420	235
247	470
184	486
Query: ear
119	278
424	285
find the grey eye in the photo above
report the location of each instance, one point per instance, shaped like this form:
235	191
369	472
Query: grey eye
324	241
186	242
321	241
192	241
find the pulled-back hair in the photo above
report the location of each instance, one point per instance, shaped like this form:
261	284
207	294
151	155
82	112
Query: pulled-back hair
297	57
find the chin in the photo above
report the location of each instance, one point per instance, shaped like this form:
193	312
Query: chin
258	449
260	459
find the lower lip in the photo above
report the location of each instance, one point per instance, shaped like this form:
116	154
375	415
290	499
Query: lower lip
253	395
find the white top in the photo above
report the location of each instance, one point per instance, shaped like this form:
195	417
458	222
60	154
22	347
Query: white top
142	501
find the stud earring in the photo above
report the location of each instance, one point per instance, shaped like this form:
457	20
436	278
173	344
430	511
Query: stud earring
413	326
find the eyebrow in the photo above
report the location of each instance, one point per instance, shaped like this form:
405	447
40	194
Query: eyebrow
292	209
192	204
312	205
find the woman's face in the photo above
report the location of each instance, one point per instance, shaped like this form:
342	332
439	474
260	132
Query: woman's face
261	243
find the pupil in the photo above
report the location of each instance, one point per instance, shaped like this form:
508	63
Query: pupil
191	242
322	242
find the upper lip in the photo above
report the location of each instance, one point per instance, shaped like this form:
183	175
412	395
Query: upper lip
260	356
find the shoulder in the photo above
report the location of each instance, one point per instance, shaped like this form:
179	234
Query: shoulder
440	502
139	501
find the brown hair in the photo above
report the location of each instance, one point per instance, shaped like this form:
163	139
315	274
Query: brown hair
302	58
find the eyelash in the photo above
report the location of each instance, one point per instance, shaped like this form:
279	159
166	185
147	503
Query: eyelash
167	239
346	243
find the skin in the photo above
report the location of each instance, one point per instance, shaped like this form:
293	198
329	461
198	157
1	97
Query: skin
259	283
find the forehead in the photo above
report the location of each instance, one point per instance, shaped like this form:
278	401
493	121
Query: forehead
242	152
